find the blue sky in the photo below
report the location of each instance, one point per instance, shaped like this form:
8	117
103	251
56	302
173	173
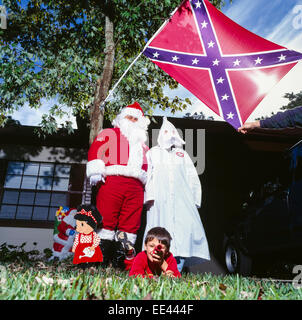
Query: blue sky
279	21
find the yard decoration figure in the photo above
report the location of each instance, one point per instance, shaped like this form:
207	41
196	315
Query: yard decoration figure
64	233
117	165
86	244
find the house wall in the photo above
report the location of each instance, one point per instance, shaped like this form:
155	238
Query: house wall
17	236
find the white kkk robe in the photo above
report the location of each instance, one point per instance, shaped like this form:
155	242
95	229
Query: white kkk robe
173	184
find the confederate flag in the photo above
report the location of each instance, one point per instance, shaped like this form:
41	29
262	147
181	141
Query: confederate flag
226	66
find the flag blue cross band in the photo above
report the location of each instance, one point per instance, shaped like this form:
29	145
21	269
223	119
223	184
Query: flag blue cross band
219	64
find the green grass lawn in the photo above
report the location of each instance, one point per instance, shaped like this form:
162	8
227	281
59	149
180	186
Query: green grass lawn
62	281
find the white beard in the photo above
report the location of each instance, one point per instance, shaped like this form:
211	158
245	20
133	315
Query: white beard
132	131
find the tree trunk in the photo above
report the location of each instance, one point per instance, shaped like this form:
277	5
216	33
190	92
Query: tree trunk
103	83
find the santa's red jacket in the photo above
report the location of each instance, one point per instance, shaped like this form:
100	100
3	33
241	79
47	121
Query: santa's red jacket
110	154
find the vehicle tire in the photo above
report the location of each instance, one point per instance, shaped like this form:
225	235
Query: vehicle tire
236	261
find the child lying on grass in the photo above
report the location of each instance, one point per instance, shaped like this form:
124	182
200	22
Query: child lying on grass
155	260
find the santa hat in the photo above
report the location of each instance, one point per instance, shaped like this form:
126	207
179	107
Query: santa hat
134	110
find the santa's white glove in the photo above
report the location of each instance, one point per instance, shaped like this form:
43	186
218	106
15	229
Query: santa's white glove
96	178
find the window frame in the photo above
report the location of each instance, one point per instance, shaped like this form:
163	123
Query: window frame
36	223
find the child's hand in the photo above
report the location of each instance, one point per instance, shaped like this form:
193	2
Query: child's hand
91	248
170	274
157	258
164	266
158	254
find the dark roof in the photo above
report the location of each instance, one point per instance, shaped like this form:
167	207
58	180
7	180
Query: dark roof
258	139
26	135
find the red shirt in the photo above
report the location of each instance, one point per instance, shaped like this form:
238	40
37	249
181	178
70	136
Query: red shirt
143	267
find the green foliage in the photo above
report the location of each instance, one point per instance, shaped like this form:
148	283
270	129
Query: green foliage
55	50
11	253
295	100
197	116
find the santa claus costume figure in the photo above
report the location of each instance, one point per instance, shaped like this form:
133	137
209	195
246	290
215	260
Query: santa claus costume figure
64	237
117	164
86	243
173	194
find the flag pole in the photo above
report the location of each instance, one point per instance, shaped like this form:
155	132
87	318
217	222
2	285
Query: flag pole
102	106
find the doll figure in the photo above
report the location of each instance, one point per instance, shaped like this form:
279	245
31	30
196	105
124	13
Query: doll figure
86	247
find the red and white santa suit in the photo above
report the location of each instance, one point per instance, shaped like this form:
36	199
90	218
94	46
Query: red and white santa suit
117	157
63	240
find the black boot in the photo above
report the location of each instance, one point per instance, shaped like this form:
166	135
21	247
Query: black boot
108	249
124	249
118	256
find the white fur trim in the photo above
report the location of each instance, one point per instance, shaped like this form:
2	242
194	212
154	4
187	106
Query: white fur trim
136	155
131	237
106	234
127	171
132	112
143	122
95	167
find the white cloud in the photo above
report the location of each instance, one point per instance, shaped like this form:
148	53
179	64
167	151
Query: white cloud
286	34
32	117
296	42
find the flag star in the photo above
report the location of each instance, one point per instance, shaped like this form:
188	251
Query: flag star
204	24
195	61
258	61
175	58
211	44
220	80
282	58
236	62
155	55
225	97
216	62
198	4
230	115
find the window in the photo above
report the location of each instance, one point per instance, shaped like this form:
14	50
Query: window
35	190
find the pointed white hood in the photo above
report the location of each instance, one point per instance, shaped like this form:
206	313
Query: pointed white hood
169	136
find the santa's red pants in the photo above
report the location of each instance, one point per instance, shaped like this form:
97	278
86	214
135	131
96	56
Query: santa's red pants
120	202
